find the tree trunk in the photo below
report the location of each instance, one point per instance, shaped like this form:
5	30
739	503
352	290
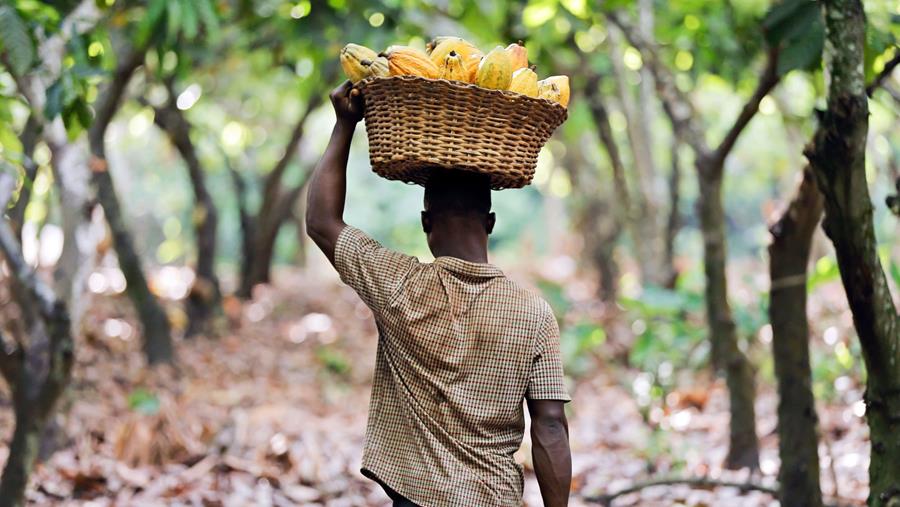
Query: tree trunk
743	448
673	223
256	264
156	331
798	444
80	228
838	155
205	296
647	241
602	218
38	369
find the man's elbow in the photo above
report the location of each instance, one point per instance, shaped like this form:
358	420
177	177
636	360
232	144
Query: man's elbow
550	428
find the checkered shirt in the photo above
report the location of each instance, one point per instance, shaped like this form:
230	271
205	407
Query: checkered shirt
459	348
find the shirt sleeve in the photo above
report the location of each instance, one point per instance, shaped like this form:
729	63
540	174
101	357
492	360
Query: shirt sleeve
547	379
372	270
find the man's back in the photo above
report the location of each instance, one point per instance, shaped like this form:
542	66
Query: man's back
460	347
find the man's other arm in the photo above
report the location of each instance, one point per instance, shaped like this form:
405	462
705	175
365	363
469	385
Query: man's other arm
328	184
550	450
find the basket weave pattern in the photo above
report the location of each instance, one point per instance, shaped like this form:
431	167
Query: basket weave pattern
416	125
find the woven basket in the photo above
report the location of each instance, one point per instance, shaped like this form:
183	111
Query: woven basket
416	125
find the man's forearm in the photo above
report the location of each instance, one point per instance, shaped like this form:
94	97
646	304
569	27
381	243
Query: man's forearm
328	189
552	460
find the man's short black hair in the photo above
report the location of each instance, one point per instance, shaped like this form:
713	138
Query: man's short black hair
458	192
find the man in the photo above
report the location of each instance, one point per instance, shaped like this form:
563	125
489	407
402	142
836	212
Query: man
459	346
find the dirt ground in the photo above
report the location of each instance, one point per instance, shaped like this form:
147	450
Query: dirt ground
273	412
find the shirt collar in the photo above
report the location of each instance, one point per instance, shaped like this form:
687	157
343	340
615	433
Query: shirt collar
467	268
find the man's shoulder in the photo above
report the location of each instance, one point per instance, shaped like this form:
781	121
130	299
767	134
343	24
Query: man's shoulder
527	299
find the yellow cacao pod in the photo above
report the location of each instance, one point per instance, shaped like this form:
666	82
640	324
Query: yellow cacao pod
561	84
407	61
524	81
447	44
548	91
494	71
472	64
454	68
378	68
356	60
518	56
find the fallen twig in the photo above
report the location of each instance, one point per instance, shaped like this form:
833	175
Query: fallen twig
694	482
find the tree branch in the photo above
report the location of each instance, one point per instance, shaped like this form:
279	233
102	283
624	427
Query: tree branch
273	179
676	104
767	81
884	74
28	138
109	100
41	293
694	482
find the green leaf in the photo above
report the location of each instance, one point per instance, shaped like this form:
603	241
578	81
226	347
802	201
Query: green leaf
191	22
148	25
54	104
173	20
804	52
788	19
15	40
142	400
208	16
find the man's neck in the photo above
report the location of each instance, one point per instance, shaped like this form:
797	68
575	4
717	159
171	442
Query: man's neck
460	241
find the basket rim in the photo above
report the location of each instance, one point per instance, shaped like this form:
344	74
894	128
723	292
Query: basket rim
511	95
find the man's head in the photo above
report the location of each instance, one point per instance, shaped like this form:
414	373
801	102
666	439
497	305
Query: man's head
457	203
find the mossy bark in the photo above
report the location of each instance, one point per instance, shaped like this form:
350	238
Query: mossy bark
837	156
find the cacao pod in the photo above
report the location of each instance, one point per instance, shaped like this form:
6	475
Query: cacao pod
548	91
454	68
494	71
356	61
378	68
562	86
524	81
472	65
407	61
518	55
463	48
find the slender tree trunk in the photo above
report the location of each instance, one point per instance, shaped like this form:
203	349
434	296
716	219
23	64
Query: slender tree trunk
838	156
743	450
257	264
673	223
157	335
37	370
205	295
246	226
798	443
647	241
80	228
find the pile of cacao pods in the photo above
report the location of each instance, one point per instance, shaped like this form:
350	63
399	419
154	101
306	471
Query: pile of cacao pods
456	59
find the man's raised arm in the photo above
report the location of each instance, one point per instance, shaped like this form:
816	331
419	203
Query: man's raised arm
328	184
550	450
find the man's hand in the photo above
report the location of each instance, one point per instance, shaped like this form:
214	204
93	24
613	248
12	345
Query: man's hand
348	103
